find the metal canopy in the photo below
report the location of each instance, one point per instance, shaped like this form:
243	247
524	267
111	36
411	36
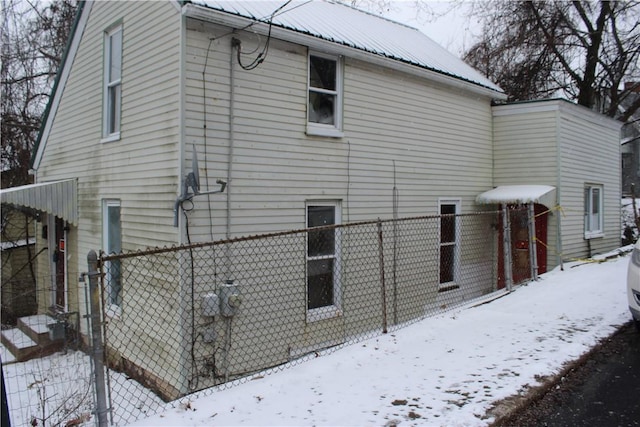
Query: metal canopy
543	194
57	198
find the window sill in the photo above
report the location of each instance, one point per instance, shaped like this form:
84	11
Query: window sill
323	313
111	138
594	235
314	129
445	287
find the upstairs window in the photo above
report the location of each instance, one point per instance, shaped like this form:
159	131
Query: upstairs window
324	113
593	211
112	95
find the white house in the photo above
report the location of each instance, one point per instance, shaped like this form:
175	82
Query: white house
301	113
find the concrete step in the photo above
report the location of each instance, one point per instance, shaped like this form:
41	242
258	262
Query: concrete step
31	337
19	344
37	327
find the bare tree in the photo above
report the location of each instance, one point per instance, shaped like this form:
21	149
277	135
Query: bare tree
581	50
33	37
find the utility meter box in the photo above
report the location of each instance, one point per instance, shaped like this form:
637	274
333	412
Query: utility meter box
230	299
210	305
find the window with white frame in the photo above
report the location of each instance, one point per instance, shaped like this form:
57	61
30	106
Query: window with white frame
449	242
323	259
593	211
324	116
112	96
112	244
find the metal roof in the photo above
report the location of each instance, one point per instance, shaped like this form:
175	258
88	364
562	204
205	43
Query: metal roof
345	25
58	198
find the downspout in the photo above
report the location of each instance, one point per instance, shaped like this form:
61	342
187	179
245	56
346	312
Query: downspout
533	244
232	99
559	260
184	309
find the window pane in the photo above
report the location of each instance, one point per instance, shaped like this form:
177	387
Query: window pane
114	281
114	109
321	242
321	108
319	283
322	73
115	56
447	223
595	200
447	263
113	245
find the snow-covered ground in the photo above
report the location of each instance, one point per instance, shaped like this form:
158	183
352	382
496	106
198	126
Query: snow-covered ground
443	371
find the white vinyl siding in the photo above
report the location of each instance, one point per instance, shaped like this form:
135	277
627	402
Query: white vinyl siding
564	145
590	154
141	169
440	140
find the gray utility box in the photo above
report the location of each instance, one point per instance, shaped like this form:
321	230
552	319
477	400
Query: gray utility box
56	330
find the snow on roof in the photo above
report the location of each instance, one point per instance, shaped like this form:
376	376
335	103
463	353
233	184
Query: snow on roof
543	194
345	25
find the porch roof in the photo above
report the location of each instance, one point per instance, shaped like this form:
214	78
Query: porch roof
543	194
58	198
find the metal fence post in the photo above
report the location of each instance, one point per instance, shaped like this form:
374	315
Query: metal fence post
6	422
96	339
506	234
382	281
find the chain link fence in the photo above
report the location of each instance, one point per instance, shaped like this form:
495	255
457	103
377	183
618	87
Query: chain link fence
169	322
183	319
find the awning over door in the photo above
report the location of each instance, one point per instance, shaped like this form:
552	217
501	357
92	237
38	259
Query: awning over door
57	198
543	194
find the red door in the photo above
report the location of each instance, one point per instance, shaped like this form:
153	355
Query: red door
520	257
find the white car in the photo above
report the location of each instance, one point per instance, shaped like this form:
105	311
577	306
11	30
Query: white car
633	284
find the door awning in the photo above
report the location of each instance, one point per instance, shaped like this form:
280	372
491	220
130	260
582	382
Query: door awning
57	198
543	194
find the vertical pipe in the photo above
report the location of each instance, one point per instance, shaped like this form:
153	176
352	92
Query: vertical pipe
232	100
382	282
96	339
533	245
506	237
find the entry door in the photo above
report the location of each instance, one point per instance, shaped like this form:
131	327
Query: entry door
59	259
520	256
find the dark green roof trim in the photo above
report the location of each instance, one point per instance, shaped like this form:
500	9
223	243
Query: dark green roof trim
47	110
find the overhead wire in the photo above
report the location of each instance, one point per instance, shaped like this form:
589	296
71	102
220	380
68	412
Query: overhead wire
259	59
